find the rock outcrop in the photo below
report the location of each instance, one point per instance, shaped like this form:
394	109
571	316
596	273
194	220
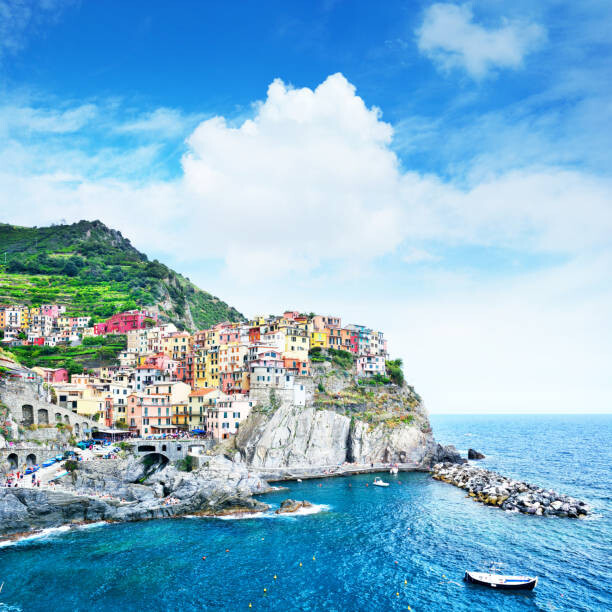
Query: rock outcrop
305	437
127	490
512	495
291	505
294	436
474	454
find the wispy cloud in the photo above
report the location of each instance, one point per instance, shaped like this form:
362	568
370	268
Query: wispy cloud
452	39
161	122
416	256
20	19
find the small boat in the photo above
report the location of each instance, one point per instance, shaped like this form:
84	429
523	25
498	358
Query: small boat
394	470
380	483
498	581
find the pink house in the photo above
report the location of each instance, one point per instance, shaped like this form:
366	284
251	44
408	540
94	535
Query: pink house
52	310
229	335
161	361
124	322
53	375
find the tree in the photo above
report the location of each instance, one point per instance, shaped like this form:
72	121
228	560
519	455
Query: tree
394	369
70	268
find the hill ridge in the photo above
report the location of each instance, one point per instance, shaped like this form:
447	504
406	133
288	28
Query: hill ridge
95	270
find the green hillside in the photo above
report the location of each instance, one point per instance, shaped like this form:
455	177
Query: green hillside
94	352
95	271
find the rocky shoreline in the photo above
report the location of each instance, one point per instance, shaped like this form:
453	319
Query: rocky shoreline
125	490
493	489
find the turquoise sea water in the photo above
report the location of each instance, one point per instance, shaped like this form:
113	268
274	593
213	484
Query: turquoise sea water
374	549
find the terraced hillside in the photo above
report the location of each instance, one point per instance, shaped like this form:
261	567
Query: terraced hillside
95	271
93	353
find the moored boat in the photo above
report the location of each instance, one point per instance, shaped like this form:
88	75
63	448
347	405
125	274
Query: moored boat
499	581
378	482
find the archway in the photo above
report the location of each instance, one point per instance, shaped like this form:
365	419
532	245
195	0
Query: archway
58	417
77	431
43	416
31	459
146	448
66	419
155	459
153	462
27	414
13	461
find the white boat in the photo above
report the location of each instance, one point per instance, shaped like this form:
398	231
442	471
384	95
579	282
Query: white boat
380	483
497	581
393	470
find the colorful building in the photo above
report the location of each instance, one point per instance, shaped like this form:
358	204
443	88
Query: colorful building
124	322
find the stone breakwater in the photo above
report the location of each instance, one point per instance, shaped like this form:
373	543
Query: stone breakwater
494	489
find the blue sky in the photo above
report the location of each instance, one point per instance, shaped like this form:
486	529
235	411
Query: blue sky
438	170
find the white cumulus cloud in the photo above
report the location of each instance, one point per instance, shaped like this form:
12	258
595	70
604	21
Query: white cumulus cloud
309	188
451	38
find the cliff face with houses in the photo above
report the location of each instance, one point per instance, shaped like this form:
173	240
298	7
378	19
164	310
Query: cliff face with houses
341	421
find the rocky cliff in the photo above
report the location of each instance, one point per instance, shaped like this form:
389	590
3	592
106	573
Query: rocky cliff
130	490
342	422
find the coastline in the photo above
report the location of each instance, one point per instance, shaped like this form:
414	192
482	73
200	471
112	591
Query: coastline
177	511
173	512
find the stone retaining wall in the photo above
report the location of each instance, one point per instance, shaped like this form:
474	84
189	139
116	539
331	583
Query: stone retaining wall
28	406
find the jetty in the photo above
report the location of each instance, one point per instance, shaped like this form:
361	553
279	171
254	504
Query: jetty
493	489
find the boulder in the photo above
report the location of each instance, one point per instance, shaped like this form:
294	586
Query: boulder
474	454
290	505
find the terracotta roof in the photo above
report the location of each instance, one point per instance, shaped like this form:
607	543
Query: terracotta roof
199	392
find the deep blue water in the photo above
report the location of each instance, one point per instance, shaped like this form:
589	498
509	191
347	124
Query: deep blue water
374	549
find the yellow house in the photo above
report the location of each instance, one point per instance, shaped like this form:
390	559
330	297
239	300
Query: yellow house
231	356
25	317
318	339
296	344
2	319
211	373
176	346
180	415
199	369
212	339
90	406
199	401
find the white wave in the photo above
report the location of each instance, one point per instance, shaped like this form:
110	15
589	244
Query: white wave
92	525
271	514
50	532
39	535
242	516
